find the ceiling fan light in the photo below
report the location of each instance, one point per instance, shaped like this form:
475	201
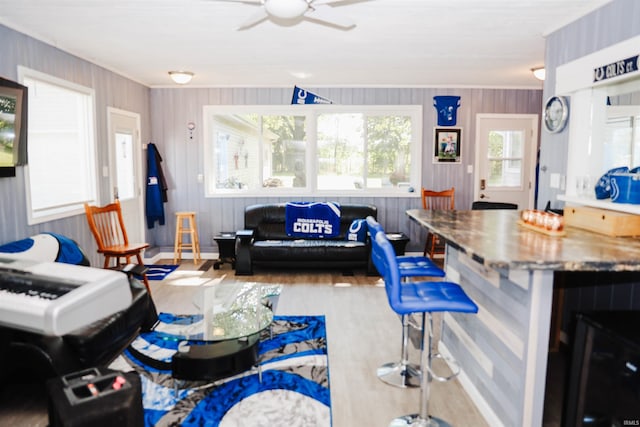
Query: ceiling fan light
539	73
286	9
181	77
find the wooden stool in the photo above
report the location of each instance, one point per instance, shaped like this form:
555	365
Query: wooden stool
194	244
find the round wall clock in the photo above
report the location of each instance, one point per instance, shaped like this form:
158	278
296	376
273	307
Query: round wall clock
556	113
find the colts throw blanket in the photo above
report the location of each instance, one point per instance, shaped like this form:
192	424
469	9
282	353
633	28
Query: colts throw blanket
312	219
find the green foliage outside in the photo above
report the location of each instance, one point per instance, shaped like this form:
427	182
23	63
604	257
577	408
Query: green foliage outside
6	144
496	151
389	147
285	153
388	141
8	106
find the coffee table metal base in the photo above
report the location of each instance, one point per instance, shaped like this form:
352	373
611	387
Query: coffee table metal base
215	360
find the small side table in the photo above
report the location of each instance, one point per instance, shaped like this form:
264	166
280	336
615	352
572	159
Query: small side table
398	241
226	241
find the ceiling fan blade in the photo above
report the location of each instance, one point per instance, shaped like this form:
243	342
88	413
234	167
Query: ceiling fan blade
315	3
326	14
254	19
336	2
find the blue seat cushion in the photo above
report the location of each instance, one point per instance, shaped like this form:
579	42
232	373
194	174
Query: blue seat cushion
411	266
421	297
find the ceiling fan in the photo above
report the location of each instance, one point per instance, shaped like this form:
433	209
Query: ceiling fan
287	11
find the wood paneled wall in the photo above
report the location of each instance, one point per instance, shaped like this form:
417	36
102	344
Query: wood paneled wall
172	109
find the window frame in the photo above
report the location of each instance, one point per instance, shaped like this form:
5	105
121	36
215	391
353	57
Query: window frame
311	112
64	210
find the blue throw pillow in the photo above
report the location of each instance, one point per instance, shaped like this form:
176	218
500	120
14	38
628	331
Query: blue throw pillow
357	231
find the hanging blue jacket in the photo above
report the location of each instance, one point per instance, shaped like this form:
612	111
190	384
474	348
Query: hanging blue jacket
156	187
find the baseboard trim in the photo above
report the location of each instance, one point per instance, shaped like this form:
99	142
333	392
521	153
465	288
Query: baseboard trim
169	255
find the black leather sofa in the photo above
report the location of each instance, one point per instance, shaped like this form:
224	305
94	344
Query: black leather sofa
264	242
27	356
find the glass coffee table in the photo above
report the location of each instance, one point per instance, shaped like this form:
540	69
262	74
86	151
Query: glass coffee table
223	339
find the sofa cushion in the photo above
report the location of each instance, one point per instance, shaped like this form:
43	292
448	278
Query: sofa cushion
305	249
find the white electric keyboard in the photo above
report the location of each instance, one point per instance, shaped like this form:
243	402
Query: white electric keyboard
54	298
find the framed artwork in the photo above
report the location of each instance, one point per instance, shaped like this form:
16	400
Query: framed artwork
447	142
13	126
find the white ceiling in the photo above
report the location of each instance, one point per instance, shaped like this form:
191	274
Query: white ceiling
396	43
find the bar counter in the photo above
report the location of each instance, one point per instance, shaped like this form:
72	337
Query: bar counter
493	238
508	270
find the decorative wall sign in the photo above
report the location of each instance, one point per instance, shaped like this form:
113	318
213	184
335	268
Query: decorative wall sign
447	142
446	107
616	69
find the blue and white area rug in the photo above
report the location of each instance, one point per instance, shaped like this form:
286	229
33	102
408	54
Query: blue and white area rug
294	391
160	271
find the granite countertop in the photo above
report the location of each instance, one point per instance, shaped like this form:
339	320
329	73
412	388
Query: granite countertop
494	238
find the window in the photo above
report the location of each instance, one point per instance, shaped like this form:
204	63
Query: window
125	169
338	150
622	141
506	152
61	174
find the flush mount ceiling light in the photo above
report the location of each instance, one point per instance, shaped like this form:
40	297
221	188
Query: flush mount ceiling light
286	9
291	11
181	77
539	73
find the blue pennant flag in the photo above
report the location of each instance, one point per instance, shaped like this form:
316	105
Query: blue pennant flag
302	96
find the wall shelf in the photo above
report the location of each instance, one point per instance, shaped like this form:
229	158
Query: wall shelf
602	204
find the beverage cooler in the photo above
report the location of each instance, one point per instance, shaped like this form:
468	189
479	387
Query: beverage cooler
603	382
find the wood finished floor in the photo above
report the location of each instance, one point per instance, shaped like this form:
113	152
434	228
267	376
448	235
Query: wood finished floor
362	332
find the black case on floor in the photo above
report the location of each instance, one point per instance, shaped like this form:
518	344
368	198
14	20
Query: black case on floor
89	398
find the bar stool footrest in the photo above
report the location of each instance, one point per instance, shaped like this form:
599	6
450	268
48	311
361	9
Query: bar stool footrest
453	365
401	375
414	420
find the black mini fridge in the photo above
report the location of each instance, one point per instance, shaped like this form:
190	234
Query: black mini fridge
603	382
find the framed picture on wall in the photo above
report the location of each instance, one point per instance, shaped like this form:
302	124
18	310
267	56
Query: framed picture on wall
13	126
447	142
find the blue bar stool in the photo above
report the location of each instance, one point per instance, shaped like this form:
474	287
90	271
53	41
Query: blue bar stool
419	297
404	374
410	266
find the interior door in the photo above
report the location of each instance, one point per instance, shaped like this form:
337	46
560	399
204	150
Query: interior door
125	153
506	146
